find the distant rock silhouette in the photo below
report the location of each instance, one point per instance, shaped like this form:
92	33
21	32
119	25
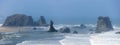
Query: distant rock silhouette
103	24
117	33
82	26
24	20
42	21
75	32
65	30
52	29
18	20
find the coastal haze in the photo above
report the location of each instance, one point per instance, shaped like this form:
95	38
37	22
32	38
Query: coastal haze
59	22
62	11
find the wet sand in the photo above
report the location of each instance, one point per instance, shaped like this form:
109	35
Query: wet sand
15	29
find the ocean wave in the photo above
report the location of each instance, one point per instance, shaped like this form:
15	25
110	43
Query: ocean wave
1	25
107	38
44	38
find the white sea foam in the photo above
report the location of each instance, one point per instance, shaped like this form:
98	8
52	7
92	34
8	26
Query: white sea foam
1	25
82	38
107	38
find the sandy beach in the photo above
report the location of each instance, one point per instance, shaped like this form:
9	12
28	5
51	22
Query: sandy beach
14	29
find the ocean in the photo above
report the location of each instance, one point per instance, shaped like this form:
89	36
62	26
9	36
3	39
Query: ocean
42	37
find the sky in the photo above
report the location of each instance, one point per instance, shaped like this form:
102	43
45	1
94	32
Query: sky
63	11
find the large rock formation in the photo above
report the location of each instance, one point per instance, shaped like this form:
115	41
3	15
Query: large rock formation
18	20
23	20
103	24
65	30
42	21
117	32
52	29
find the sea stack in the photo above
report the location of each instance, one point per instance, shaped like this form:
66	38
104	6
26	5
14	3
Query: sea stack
52	29
103	24
42	21
18	20
65	30
75	32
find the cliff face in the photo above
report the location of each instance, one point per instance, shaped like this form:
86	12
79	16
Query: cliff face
42	21
18	20
23	20
103	24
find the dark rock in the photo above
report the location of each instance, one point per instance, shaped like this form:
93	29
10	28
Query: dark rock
75	32
103	24
82	26
18	20
65	30
28	21
52	29
117	33
42	21
34	28
91	30
23	20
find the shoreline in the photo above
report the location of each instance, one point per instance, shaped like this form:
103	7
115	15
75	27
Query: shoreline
16	29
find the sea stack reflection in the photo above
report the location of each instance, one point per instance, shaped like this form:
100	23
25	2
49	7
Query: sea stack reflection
19	20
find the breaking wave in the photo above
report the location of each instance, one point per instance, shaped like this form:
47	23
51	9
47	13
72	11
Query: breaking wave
41	37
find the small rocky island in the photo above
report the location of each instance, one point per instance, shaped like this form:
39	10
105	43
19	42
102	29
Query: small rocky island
103	24
51	28
75	32
65	30
82	26
42	21
18	20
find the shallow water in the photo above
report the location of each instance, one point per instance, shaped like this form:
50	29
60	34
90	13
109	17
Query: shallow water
41	37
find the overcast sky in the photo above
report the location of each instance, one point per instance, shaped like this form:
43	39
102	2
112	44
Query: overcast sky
63	11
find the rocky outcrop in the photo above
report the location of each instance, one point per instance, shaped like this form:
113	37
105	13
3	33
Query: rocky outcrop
75	32
117	32
82	26
103	24
65	30
24	20
42	21
34	28
52	29
18	20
